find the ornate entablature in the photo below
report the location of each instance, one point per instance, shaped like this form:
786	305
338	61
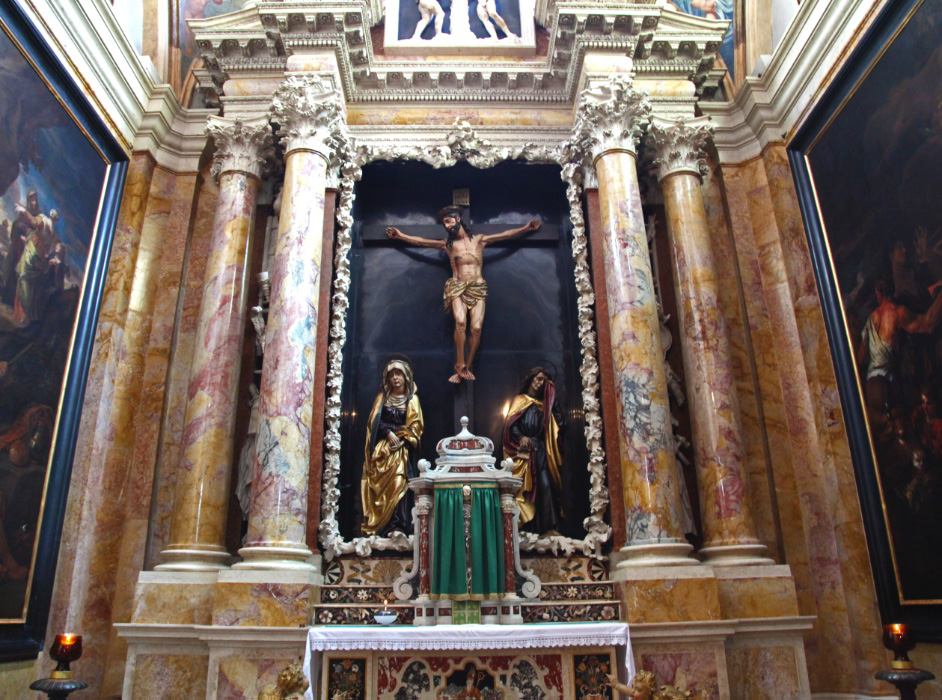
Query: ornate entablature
256	43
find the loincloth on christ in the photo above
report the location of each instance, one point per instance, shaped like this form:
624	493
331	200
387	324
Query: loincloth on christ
470	292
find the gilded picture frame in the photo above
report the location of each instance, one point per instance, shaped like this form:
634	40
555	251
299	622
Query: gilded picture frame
866	163
61	178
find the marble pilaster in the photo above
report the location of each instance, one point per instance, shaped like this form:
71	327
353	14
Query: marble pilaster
309	114
186	324
608	122
202	488
89	551
729	531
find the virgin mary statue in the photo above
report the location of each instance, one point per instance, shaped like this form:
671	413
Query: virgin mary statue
392	446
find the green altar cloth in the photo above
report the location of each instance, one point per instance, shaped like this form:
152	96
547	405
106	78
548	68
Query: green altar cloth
450	561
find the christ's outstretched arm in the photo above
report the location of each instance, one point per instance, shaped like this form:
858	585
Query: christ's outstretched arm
398	235
531	225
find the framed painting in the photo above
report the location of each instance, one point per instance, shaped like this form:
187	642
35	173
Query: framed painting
868	168
61	175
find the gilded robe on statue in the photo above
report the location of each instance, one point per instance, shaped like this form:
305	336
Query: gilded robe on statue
396	417
537	418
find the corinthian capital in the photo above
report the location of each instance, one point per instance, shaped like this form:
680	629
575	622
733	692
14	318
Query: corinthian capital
241	145
677	147
610	116
309	114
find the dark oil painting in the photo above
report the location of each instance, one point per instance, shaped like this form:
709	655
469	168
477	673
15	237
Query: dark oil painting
51	181
877	173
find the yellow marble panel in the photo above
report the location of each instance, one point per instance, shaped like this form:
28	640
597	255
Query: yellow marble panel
240	603
445	116
312	63
600	62
253	87
667	88
671	600
757	597
173	603
763	673
170	677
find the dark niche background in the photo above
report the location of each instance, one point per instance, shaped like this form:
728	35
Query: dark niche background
396	307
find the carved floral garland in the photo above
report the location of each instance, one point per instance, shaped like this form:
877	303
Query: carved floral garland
464	144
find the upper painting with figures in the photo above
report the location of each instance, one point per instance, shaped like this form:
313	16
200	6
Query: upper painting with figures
465	27
715	9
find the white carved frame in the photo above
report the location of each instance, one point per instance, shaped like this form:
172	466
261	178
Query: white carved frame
462	143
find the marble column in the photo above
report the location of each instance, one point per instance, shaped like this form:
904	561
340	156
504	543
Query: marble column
198	527
507	507
310	119
608	122
423	509
729	531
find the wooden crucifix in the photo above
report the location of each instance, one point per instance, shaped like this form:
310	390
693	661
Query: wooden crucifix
466	291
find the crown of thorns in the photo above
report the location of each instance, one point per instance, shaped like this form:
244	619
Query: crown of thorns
451	210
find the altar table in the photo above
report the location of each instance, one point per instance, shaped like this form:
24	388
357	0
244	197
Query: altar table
480	638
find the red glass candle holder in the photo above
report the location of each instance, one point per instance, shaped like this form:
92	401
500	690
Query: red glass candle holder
64	650
898	639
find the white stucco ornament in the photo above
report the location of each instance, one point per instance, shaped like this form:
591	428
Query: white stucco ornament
309	113
610	116
678	146
241	145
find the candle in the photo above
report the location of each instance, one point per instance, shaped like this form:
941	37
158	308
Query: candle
385	604
897	638
65	649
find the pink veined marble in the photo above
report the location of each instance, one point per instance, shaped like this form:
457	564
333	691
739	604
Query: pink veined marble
278	514
207	444
717	437
509	581
424	573
651	489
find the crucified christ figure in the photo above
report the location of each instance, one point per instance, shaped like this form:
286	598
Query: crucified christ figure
466	291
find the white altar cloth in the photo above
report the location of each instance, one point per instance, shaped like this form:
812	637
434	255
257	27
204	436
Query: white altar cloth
464	637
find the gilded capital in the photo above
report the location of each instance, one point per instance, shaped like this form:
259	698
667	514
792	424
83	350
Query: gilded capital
243	145
677	146
610	116
309	113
